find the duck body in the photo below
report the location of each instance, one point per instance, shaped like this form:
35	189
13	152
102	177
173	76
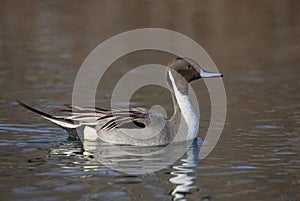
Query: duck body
138	126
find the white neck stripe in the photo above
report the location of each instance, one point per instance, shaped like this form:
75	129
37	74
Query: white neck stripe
187	110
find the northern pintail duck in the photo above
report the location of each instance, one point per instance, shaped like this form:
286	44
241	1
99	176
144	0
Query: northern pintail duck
139	126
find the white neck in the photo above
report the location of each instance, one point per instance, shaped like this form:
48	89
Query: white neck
187	110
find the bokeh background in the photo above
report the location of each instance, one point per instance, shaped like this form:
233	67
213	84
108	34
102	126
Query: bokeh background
255	44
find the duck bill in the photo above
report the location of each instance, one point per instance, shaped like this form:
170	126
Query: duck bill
206	74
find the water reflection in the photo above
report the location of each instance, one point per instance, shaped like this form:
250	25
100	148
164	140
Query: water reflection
134	160
184	173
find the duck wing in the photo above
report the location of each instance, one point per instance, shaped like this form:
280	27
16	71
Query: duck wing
107	118
110	118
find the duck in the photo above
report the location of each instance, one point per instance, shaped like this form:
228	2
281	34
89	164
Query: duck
138	126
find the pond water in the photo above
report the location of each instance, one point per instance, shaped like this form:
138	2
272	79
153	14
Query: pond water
255	44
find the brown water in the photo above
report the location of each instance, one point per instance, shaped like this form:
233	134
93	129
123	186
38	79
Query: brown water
255	44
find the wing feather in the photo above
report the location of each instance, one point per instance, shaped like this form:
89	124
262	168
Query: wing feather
110	118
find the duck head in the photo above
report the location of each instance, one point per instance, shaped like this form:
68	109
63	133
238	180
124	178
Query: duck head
182	70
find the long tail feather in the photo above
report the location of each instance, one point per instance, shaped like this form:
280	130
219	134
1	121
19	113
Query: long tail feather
62	122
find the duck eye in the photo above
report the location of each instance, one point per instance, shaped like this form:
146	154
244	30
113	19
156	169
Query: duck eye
189	66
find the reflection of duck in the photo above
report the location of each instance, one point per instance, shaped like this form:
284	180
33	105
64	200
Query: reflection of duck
137	159
114	125
183	178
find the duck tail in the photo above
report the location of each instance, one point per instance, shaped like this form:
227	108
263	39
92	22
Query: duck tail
60	121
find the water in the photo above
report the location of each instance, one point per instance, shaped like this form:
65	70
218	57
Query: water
255	45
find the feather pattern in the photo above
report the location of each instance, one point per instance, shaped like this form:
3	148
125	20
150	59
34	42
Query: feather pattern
109	118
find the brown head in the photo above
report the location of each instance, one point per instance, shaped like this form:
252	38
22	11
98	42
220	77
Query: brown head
184	70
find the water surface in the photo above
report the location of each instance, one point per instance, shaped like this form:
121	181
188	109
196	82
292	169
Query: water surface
255	45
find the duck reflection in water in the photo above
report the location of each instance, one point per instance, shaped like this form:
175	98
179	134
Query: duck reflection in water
135	160
184	172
